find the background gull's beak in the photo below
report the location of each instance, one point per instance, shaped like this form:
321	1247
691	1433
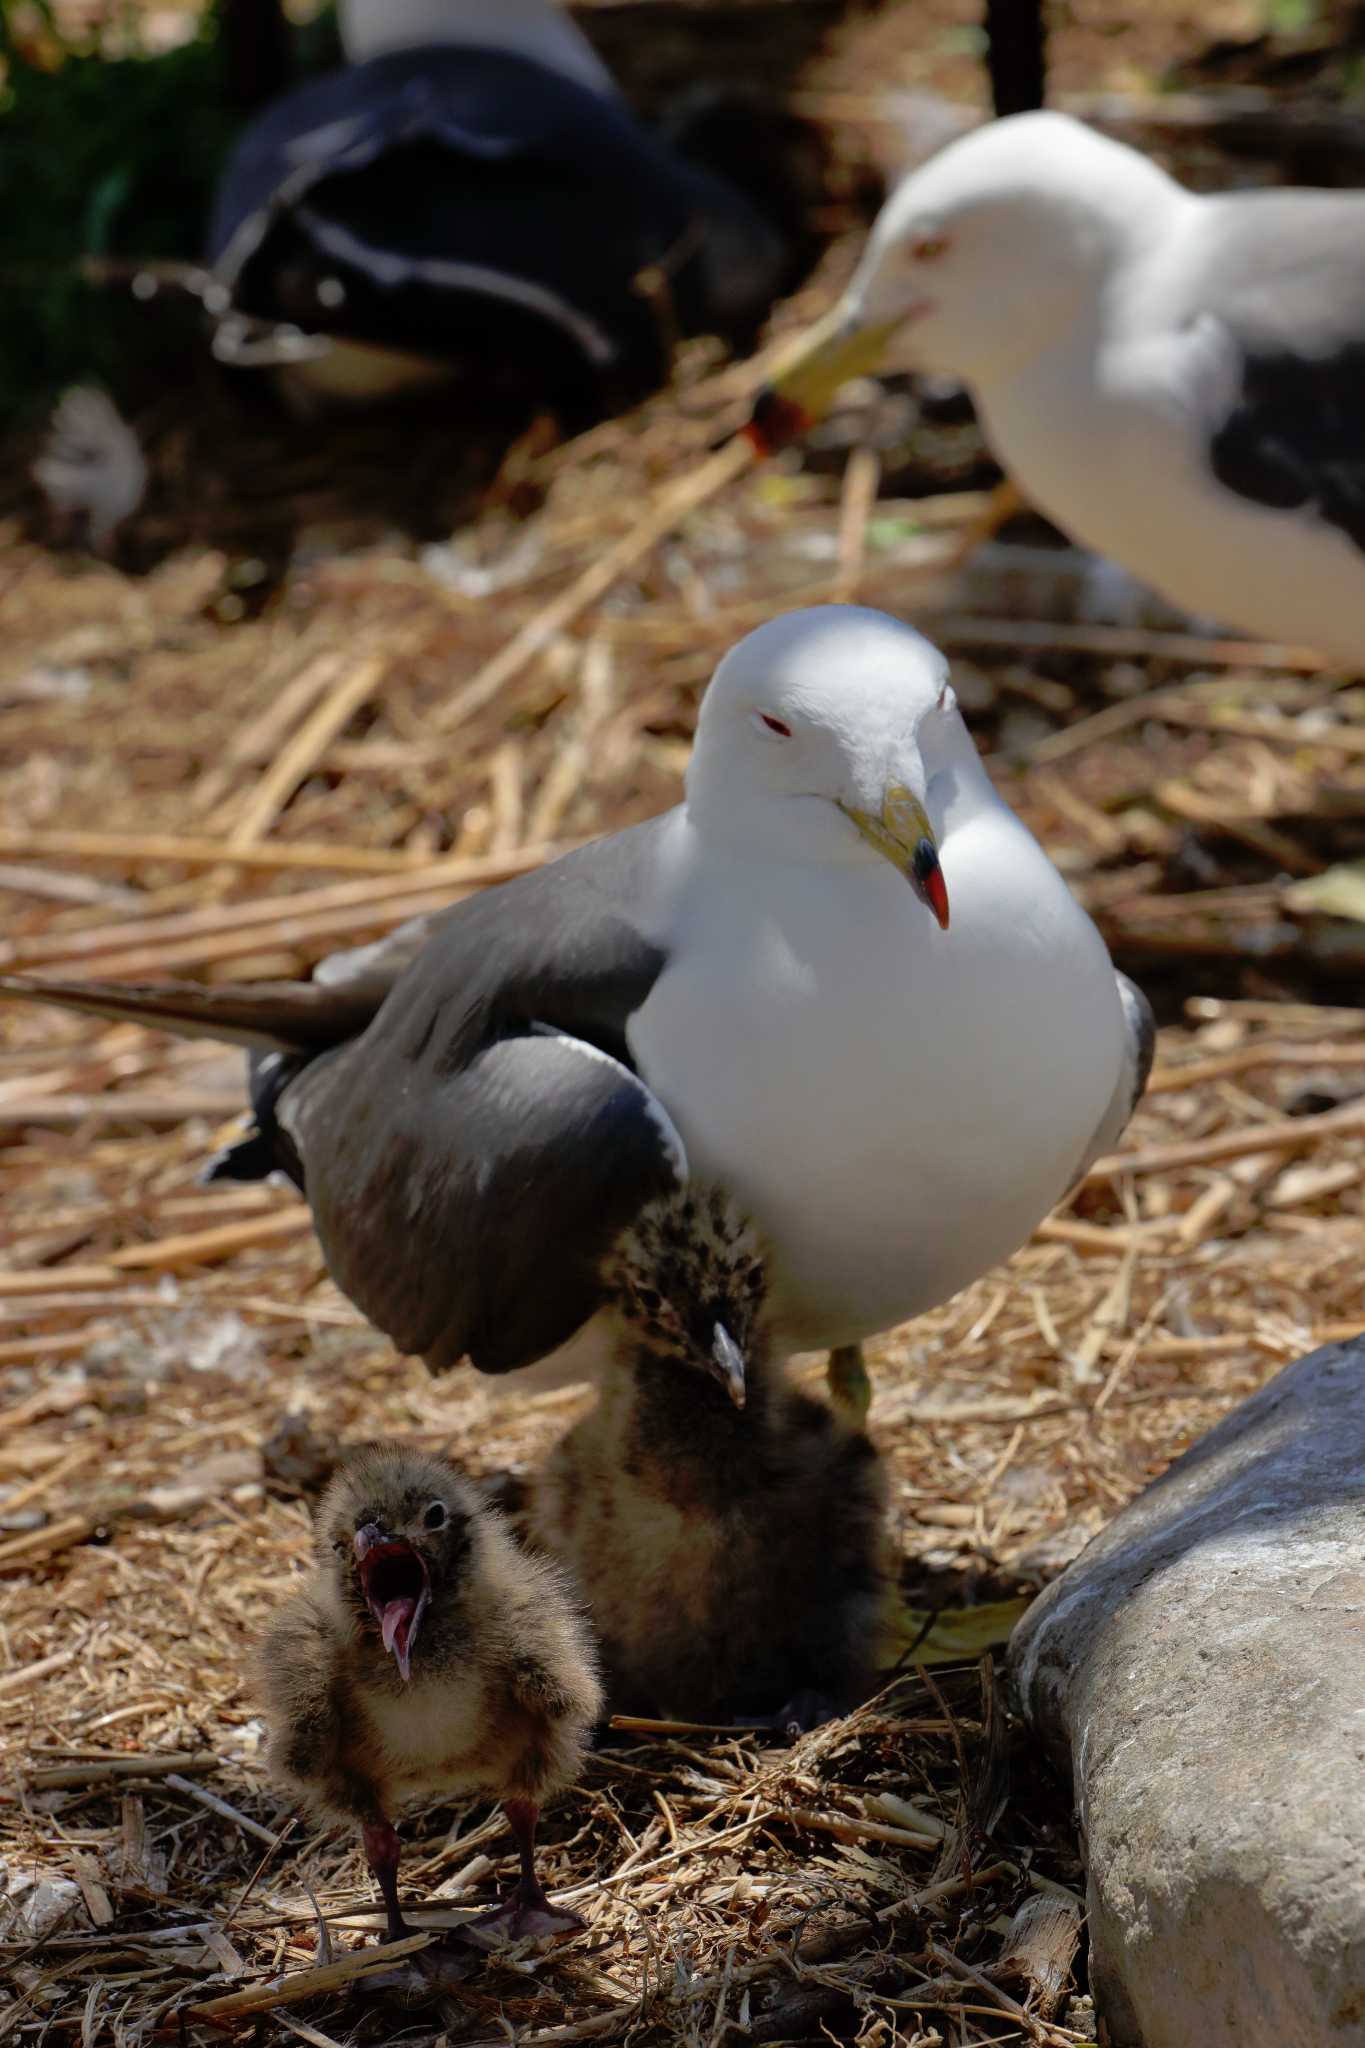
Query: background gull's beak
727	1362
903	835
836	349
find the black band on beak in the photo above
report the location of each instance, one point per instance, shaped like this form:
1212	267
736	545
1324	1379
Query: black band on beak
926	879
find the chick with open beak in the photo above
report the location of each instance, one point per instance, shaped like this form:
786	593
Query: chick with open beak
725	1528
396	1581
427	1656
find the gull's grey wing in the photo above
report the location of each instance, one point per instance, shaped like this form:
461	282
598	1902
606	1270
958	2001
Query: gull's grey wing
470	1157
467	1211
1282	275
1139	1049
457	1101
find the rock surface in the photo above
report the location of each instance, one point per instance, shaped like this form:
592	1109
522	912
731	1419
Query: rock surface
1200	1670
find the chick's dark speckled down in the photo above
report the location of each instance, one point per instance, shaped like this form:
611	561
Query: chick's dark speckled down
427	1656
726	1529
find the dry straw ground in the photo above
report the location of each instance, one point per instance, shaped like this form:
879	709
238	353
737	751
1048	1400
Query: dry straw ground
196	781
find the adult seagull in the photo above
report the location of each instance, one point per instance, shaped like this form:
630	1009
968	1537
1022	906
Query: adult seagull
760	988
1176	380
471	192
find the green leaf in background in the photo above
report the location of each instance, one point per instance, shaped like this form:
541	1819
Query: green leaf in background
104	156
892	530
1290	17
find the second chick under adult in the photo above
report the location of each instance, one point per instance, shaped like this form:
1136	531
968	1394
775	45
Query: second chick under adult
725	1528
426	1656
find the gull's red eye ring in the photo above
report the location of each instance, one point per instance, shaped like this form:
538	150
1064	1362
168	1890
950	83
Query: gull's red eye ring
784	732
928	248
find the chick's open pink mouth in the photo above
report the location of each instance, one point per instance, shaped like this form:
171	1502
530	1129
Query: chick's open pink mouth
397	1587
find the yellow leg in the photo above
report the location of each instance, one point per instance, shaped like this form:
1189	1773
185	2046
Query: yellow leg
850	1389
1004	502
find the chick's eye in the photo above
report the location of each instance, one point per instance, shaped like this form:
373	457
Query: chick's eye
775	725
435	1516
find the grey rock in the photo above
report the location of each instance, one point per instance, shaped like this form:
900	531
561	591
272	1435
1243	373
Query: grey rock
1200	1673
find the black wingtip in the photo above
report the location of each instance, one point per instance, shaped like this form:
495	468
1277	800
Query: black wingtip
249	1158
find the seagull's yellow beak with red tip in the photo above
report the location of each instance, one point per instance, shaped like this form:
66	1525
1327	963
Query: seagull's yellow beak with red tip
903	835
904	278
837	349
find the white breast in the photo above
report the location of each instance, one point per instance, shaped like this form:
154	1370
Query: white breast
1116	452
429	1736
897	1106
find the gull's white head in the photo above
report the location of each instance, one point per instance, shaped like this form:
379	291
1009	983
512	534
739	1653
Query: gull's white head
537	29
997	243
833	735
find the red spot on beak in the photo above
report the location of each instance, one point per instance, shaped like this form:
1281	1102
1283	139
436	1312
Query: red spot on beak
775	422
936	896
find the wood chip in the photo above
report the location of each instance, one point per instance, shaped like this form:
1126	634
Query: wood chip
304	1984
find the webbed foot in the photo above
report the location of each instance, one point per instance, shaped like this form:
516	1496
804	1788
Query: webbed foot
521	1919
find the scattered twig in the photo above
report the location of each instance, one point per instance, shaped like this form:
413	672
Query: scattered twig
848	1827
303	1984
341	702
154	936
668	511
223	1808
69	1112
204	1247
29	1674
176	1763
1247	1059
1290	1134
134	849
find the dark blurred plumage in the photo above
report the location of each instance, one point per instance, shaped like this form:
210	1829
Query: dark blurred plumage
471	195
427	1656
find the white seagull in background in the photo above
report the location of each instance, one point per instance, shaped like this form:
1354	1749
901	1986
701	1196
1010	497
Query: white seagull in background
763	988
1178	381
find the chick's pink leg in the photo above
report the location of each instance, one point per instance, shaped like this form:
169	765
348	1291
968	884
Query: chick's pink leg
382	1851
526	1913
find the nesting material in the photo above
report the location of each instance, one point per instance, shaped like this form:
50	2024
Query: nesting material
154	1333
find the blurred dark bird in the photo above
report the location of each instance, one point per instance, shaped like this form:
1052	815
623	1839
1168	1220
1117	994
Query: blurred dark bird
760	987
427	1657
1176	379
471	193
725	1528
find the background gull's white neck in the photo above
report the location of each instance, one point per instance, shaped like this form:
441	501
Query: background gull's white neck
537	29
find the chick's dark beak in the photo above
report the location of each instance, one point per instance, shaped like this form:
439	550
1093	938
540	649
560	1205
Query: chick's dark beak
727	1363
397	1588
